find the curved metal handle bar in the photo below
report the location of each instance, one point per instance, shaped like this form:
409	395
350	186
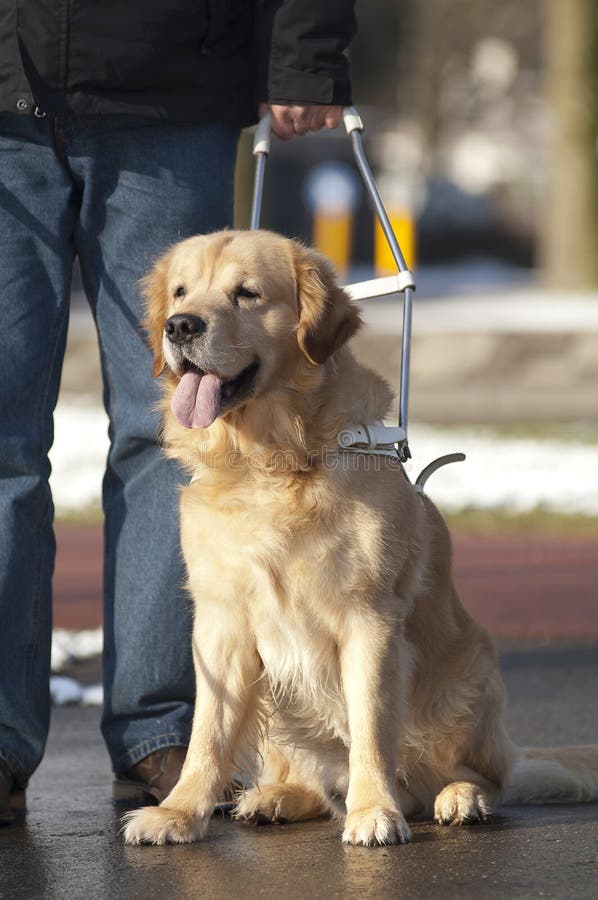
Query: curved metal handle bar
433	466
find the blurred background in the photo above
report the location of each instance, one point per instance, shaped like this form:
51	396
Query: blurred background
481	126
481	120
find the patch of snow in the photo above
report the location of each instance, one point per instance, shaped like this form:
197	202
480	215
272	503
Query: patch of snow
78	456
69	646
508	473
93	695
66	691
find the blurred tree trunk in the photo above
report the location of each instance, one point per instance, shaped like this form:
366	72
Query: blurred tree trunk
569	227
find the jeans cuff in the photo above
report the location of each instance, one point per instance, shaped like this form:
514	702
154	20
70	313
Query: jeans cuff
136	754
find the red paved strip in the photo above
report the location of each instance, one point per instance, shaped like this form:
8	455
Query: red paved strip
530	586
517	586
78	576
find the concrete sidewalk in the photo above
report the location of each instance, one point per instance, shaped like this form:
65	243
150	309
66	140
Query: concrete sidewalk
68	847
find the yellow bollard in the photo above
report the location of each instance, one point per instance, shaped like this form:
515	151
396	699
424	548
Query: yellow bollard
403	226
331	191
332	236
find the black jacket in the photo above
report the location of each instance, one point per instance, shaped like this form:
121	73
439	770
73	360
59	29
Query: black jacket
182	60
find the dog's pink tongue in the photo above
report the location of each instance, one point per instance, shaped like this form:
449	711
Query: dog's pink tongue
207	402
196	401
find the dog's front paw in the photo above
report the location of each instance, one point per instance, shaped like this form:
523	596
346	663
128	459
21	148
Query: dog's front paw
462	803
375	826
161	825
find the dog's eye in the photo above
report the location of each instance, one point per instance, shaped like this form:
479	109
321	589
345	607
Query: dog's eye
246	293
180	291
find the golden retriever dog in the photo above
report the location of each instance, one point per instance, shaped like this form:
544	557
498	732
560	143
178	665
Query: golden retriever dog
333	658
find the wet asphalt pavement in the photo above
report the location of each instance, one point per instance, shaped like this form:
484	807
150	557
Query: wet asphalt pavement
67	845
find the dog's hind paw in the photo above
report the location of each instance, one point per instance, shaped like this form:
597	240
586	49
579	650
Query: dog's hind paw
462	803
376	826
161	825
278	803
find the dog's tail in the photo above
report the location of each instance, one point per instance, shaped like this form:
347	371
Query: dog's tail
554	775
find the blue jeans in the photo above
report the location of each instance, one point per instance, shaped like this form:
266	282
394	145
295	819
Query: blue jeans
115	192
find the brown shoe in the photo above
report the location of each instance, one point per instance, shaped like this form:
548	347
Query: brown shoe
155	776
10	797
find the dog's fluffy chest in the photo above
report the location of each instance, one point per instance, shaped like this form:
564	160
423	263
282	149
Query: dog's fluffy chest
302	674
294	615
293	587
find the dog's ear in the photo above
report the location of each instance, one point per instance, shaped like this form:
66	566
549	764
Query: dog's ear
327	317
154	289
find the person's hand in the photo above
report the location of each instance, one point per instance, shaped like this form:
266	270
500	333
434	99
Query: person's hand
290	120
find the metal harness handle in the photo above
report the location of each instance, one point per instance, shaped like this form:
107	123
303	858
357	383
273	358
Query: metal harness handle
403	282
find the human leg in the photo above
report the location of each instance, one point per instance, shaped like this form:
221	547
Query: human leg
144	187
37	214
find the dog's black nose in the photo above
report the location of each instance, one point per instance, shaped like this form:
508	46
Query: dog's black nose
181	328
